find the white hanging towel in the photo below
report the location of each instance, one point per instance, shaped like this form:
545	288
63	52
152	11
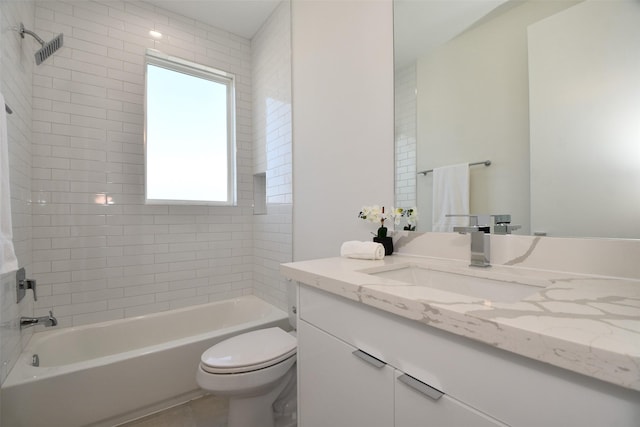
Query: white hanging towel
450	196
8	261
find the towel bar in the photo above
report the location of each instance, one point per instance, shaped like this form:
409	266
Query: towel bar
486	163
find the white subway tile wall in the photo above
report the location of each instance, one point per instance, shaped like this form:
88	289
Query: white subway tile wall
99	252
406	136
16	65
76	159
271	62
271	59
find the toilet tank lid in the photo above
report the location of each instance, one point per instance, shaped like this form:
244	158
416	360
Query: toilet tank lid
251	348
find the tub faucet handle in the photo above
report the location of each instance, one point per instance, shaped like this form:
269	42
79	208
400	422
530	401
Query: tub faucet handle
31	284
22	284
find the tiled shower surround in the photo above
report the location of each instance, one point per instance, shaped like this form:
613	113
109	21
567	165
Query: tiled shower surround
15	83
97	251
405	143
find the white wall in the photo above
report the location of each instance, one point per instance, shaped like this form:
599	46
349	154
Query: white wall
16	69
343	153
585	148
473	106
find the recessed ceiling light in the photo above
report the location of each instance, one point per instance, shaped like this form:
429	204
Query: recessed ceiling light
155	34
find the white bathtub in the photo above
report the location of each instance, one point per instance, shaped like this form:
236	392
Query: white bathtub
107	373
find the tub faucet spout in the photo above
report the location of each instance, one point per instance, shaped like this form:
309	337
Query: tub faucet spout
49	320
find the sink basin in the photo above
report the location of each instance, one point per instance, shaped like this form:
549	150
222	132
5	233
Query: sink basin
500	288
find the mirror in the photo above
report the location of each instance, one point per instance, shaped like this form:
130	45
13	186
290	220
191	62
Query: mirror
545	90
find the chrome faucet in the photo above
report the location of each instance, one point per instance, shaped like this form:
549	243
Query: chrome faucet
48	321
480	230
503	224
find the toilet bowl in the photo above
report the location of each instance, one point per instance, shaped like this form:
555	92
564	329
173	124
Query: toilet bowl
254	370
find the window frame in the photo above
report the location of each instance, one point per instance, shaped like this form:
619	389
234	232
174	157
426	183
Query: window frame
159	59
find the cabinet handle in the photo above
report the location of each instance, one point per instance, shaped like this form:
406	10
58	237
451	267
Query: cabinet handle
369	358
421	387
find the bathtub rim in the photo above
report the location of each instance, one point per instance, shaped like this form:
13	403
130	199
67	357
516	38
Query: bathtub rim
24	372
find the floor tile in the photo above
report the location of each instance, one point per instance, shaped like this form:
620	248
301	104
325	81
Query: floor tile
208	411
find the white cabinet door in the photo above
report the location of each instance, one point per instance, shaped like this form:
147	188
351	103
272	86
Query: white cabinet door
419	405
337	388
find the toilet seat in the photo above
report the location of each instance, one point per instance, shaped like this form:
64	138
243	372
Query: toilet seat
249	352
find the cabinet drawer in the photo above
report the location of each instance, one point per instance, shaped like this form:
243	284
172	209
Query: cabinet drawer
415	408
338	388
506	386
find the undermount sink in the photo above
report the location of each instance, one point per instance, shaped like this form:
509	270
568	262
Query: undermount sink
480	284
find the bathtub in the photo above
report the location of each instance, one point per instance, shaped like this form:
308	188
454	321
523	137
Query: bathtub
108	373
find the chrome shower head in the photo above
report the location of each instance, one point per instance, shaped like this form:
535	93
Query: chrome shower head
47	49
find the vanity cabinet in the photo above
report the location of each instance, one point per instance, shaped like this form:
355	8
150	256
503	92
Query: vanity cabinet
339	342
342	385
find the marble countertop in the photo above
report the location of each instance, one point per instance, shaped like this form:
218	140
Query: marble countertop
585	323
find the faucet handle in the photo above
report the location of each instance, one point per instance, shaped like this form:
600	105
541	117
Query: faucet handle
502	219
22	284
505	228
503	224
472	228
481	222
31	284
474	219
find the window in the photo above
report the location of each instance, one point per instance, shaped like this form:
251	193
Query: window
189	132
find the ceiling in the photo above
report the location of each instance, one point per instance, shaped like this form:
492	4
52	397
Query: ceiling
240	17
422	25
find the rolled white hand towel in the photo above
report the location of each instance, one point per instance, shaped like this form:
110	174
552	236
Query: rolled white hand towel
362	250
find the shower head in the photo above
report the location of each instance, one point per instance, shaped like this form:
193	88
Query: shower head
47	49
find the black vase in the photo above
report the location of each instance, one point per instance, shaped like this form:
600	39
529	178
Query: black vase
387	242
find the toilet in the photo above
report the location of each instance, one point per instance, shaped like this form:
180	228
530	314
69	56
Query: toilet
256	370
253	369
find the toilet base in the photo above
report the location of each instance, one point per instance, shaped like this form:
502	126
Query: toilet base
285	408
250	411
258	411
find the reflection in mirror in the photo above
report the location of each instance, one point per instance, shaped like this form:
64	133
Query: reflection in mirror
489	90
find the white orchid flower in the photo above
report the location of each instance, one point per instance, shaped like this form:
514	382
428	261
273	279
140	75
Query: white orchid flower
396	214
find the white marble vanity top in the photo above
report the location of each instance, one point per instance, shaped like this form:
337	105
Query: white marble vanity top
585	323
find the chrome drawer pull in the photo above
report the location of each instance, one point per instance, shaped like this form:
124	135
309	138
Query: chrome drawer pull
369	358
423	388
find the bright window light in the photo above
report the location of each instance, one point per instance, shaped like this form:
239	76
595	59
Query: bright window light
189	137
